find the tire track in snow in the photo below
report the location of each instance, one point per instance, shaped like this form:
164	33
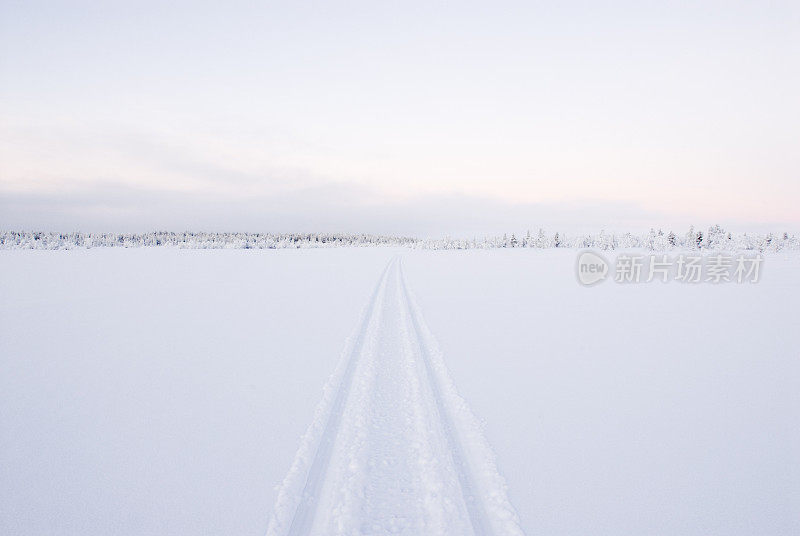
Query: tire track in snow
477	515
482	486
393	448
330	411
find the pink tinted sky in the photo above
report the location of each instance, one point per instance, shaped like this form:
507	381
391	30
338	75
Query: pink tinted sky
417	118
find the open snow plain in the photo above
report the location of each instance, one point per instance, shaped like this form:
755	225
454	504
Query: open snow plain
166	391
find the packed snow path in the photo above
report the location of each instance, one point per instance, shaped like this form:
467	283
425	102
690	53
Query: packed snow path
393	449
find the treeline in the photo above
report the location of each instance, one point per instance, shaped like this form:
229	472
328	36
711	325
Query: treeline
714	238
189	240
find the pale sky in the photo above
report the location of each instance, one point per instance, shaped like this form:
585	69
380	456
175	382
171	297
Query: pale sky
424	118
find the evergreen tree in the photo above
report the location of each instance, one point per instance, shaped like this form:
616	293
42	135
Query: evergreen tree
672	239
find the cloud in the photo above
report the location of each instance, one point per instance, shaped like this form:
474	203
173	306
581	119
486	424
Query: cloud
323	207
147	181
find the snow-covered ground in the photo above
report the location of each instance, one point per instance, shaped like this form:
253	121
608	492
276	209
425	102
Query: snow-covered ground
166	391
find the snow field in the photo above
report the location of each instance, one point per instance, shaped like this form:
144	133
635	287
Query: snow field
165	391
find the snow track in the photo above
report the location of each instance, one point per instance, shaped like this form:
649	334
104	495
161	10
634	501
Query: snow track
393	449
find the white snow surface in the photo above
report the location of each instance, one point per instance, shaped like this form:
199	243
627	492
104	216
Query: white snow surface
393	448
166	391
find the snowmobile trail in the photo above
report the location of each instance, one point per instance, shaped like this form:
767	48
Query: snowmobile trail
393	448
